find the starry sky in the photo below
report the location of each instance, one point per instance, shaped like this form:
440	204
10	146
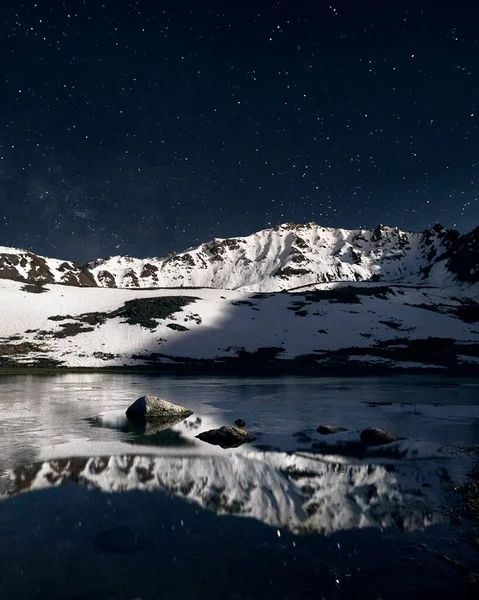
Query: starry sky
150	126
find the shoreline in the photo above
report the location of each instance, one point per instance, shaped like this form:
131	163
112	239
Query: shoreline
266	370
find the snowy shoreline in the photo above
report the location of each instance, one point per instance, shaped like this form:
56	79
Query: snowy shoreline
283	369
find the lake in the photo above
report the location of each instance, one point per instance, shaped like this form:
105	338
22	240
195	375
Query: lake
93	508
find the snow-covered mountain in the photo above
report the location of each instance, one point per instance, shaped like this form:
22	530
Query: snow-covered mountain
304	493
383	298
284	257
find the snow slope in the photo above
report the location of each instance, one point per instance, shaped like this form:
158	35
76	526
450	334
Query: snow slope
320	326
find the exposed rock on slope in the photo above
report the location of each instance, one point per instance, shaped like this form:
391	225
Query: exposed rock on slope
464	258
21	265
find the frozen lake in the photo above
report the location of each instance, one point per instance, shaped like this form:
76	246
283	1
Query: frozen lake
92	508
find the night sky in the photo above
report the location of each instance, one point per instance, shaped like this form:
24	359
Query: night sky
150	126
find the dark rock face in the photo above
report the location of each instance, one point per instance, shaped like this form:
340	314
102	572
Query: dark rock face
464	260
227	436
149	408
130	279
149	270
106	279
8	264
373	436
30	268
85	278
328	429
39	270
240	423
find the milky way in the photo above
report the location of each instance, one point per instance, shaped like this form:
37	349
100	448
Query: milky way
144	127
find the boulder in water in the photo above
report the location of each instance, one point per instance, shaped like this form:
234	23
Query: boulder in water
240	423
227	436
152	408
373	436
328	429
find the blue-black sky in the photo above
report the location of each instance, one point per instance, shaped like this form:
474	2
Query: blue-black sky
149	126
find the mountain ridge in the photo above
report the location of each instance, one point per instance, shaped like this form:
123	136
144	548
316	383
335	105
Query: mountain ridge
283	257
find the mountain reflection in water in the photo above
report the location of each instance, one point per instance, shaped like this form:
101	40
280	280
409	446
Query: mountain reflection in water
299	492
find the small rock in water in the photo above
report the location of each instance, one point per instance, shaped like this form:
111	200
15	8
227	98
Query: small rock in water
152	407
240	423
227	436
373	436
328	429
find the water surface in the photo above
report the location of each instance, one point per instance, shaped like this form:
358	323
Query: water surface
93	508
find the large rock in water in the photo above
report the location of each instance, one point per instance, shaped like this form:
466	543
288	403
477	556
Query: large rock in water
373	436
149	408
227	436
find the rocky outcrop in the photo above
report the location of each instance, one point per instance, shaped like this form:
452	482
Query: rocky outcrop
373	436
227	436
152	408
464	257
21	265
